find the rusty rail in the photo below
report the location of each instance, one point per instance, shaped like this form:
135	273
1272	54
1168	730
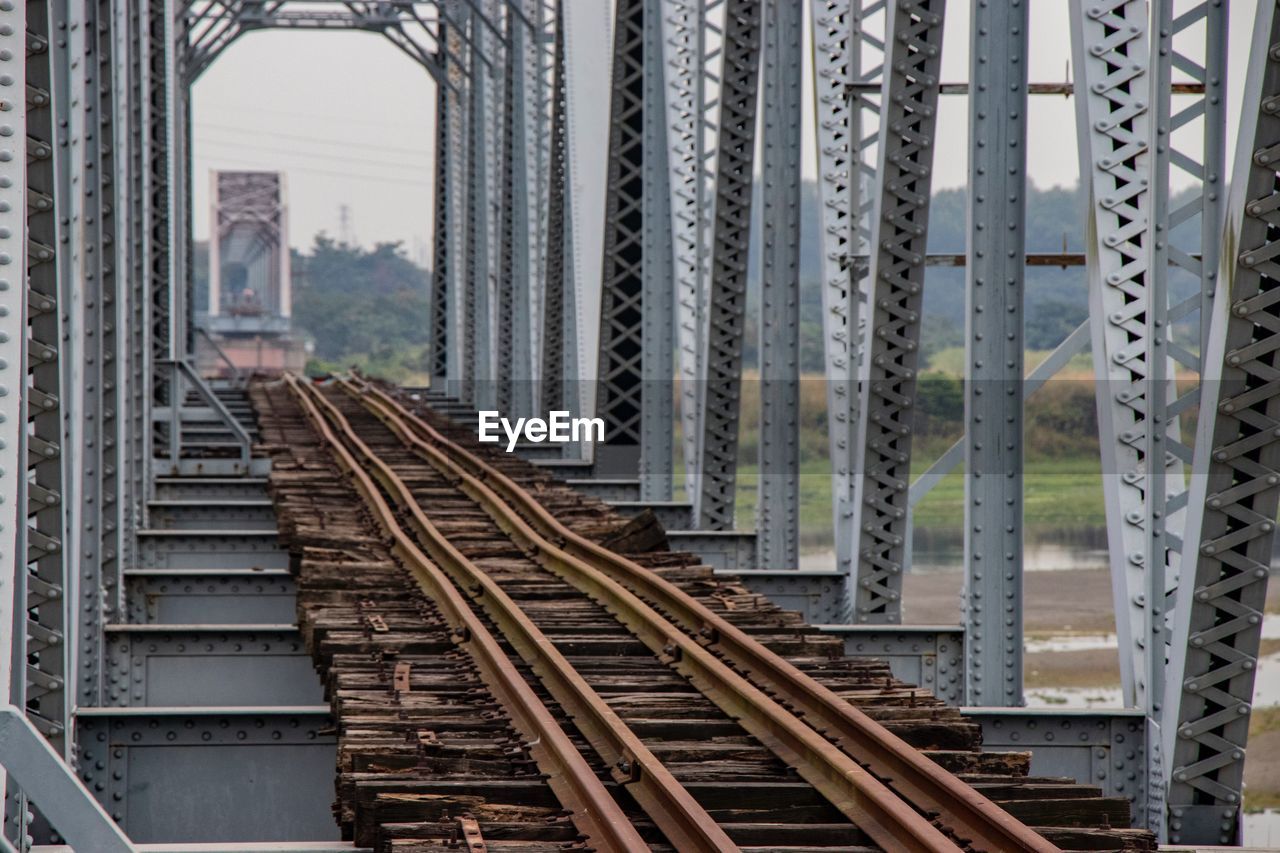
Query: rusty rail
671	807
888	819
593	810
960	809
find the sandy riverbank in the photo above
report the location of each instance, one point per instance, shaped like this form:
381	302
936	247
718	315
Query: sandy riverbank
1078	601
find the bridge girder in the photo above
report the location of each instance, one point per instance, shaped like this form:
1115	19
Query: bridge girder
95	210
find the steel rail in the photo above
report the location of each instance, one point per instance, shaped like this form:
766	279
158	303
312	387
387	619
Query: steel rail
632	765
592	809
885	817
959	808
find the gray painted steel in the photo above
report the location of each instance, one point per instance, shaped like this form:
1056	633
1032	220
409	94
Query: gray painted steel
219	596
1103	748
264	773
206	664
727	550
102	332
778	500
909	109
720	389
43	775
994	284
1236	479
931	656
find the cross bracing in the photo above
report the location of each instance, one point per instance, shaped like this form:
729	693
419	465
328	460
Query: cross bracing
639	315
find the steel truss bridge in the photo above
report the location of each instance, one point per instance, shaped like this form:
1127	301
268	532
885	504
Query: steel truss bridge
581	264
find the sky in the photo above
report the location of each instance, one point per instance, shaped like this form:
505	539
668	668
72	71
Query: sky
350	119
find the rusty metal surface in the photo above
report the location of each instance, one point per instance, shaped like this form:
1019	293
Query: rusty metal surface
887	817
685	823
913	777
594	812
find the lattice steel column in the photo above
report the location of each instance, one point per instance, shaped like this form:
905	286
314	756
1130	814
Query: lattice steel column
441	275
1180	31
44	442
1236	478
540	51
458	198
476	367
164	391
720	392
493	44
552	382
1129	318
137	428
657	339
525	219
778	505
504	348
100	591
995	277
848	69
620	372
836	57
908	113
13	334
689	45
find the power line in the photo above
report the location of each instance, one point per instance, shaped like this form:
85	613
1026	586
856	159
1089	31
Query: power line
303	138
329	119
350	175
425	167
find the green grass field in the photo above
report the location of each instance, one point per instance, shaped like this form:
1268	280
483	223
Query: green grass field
1062	483
1057	493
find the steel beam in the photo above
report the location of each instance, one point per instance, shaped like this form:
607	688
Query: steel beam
14	295
657	309
494	45
687	29
475	368
1236	478
837	58
45	776
541	56
524	220
909	100
458	184
1124	123
100	592
441	276
1113	126
44	447
553	389
504	351
135	258
720	392
995	279
1177	34
778	496
620	368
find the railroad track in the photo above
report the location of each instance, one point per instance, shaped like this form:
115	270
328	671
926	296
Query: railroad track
467	613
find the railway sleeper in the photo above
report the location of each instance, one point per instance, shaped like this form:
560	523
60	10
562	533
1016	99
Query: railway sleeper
474	765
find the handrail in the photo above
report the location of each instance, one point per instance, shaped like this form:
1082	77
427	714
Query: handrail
237	375
966	811
203	389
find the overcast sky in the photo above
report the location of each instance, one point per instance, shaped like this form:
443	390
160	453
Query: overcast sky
350	119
